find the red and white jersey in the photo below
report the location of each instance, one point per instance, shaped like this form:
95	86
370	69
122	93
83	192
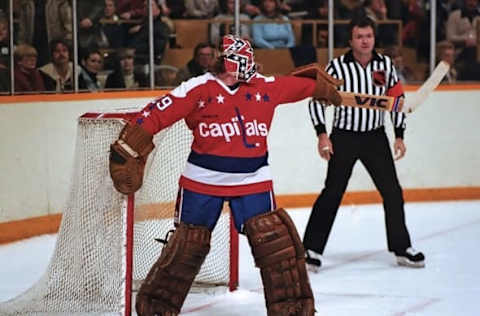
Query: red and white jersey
229	154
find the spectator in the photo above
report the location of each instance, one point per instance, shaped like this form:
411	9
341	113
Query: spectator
89	13
4	42
201	9
131	9
176	9
139	35
227	12
4	54
58	74
376	10
91	65
38	26
272	35
112	32
203	56
165	76
446	52
27	78
124	76
249	8
404	73
462	32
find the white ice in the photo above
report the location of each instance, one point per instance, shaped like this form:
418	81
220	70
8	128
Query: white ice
359	277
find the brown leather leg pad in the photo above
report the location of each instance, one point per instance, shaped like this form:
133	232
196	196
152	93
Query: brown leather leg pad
167	283
279	253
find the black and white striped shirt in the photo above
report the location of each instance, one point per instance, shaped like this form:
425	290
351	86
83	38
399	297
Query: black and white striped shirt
377	78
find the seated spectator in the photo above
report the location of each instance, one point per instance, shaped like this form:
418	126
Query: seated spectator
446	52
89	13
249	8
405	74
4	42
27	78
40	22
165	76
131	9
91	65
272	35
203	56
111	31
58	74
176	9
138	37
461	31
376	10
227	12
201	9
124	76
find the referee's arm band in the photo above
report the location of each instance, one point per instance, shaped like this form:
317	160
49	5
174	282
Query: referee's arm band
320	128
399	132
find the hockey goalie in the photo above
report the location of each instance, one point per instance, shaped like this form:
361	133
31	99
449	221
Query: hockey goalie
229	111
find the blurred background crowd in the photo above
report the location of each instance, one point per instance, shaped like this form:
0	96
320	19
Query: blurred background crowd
64	46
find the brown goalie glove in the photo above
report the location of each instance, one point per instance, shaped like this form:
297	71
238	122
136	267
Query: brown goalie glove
128	156
326	89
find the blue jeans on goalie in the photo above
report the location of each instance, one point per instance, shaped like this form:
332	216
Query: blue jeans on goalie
204	210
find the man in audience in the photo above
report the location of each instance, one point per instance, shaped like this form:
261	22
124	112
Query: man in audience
446	52
462	32
227	12
124	76
203	56
138	36
58	73
89	13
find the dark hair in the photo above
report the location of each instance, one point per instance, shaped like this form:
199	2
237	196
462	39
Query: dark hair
362	22
55	42
200	46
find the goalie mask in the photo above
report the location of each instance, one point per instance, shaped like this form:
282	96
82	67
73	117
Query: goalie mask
238	58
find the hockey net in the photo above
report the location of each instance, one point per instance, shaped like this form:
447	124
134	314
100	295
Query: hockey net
106	241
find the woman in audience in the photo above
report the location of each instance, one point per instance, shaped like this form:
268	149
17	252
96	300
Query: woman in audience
272	35
91	65
227	11
27	76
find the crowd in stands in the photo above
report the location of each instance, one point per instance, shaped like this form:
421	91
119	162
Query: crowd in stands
114	51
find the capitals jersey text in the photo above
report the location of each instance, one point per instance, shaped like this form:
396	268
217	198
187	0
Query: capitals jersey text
230	128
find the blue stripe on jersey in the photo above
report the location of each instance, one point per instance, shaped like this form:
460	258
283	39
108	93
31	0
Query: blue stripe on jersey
228	164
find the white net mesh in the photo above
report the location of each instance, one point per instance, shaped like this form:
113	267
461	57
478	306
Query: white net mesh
86	275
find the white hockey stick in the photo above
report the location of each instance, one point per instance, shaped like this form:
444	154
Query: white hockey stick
427	88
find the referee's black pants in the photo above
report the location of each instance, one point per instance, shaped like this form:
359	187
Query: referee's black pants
373	150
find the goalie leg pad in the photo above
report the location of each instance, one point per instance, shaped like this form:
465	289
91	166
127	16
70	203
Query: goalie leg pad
170	278
279	253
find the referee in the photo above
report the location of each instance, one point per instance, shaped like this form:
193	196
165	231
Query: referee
359	134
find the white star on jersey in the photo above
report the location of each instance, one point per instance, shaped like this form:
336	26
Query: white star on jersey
201	104
146	113
220	98
258	97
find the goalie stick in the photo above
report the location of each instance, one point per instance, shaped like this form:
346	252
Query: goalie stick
395	104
